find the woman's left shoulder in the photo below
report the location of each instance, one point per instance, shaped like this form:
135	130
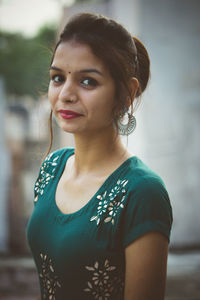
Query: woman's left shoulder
147	206
142	178
146	188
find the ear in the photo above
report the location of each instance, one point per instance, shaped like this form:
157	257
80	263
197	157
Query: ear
133	87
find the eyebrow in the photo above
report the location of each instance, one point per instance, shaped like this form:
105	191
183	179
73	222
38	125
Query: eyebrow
80	71
90	71
56	69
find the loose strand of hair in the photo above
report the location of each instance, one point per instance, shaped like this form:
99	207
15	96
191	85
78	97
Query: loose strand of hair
50	128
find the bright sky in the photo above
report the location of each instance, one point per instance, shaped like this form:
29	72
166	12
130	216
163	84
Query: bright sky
27	16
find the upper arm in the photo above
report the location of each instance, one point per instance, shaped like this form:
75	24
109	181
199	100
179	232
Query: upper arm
146	265
148	209
146	233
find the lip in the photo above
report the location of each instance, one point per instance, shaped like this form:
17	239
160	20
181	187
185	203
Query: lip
69	114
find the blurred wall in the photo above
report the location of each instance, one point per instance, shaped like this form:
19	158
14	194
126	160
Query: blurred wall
168	118
171	112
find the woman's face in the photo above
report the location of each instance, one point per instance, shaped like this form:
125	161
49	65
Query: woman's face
81	90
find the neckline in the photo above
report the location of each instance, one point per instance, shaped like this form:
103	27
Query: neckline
113	174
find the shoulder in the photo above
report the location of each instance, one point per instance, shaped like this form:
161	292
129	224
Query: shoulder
52	163
147	190
142	179
57	154
148	206
50	168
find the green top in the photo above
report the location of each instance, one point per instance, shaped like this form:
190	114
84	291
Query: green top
80	256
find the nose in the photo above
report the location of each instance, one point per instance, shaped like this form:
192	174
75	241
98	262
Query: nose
68	92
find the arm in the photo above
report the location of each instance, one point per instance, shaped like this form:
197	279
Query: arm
146	266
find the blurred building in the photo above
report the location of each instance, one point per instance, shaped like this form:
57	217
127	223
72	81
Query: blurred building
167	136
23	143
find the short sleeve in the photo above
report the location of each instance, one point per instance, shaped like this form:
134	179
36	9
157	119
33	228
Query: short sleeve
47	172
44	176
148	209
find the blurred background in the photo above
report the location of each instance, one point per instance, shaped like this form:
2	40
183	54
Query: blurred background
166	138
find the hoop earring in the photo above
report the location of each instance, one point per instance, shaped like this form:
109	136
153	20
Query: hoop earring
126	129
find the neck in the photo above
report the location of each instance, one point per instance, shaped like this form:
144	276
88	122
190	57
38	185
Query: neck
97	151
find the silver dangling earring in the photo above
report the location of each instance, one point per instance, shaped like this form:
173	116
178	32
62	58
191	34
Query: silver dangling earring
126	129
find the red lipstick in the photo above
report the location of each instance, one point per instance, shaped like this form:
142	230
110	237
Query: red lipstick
69	114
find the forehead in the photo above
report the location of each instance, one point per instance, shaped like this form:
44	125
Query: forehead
72	55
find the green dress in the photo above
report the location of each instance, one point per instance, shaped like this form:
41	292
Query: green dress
80	256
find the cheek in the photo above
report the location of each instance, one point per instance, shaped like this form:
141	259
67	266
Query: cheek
102	109
102	101
52	95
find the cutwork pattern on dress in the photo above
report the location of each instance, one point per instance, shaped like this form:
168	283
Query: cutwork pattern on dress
46	174
109	203
49	279
105	281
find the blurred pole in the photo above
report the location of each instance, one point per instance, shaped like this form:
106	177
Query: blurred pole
4	176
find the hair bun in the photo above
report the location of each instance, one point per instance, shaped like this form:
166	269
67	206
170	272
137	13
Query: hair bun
143	65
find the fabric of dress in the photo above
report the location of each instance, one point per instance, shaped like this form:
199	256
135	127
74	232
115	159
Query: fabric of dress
81	255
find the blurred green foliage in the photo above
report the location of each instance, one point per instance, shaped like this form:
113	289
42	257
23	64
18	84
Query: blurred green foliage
24	62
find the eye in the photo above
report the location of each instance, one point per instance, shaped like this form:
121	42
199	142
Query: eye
57	78
89	82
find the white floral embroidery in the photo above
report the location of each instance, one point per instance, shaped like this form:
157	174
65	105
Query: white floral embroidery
48	278
103	281
109	204
46	174
102	207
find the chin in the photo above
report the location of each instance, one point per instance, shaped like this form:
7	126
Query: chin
65	127
69	129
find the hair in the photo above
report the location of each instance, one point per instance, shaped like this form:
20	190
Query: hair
125	56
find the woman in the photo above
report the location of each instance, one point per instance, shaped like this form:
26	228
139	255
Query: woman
101	223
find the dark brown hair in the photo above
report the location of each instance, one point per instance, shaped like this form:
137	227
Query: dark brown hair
125	56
